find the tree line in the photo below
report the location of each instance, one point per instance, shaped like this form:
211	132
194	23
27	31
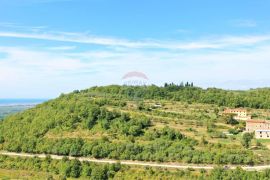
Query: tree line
254	98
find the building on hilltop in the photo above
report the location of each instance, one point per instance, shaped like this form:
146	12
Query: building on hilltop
239	113
260	127
253	125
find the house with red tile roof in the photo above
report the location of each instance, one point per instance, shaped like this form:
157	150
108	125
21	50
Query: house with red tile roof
260	127
239	113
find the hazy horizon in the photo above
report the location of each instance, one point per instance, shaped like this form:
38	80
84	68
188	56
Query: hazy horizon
42	99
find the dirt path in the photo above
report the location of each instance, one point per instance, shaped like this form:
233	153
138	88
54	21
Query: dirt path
138	163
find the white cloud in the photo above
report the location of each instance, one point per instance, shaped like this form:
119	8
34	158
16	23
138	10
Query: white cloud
22	27
73	37
219	42
25	67
222	61
249	23
62	48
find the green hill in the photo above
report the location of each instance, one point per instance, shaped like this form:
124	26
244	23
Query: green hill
122	122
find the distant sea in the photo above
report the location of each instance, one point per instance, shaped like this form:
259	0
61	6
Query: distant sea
16	102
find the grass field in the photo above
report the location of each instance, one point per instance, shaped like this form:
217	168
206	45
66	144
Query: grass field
7	110
25	175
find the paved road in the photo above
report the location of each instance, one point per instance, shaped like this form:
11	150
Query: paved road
137	163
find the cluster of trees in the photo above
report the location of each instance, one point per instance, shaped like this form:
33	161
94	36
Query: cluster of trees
218	173
246	139
67	113
65	168
162	146
238	173
116	122
255	98
176	87
229	119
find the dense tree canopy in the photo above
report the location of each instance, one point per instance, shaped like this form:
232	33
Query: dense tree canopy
255	98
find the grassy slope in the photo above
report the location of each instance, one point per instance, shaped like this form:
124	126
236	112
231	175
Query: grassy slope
24	174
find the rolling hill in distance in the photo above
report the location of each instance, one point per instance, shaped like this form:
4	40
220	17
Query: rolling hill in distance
11	106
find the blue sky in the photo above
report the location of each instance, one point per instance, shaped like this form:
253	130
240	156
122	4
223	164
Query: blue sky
52	46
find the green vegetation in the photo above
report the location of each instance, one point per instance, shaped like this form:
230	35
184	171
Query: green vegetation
68	169
63	168
122	136
247	137
255	98
163	124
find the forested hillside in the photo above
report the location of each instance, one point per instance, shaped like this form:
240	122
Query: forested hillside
117	122
162	124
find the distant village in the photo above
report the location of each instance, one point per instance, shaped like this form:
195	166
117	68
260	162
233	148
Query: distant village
261	128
